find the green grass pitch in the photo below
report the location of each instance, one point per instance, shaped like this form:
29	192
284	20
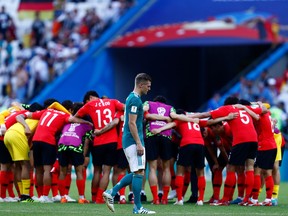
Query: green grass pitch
71	209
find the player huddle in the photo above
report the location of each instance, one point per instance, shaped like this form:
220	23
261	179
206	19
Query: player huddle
40	143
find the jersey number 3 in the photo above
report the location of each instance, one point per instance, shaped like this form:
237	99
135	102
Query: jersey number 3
106	115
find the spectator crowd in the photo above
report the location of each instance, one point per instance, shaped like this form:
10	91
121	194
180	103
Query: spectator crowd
267	88
27	67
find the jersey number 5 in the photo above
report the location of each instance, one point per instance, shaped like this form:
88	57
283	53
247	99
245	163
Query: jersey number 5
244	117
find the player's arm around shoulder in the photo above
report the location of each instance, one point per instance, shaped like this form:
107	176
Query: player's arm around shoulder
74	119
163	128
109	126
21	119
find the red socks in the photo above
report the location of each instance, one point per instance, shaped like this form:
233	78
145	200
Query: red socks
154	191
165	192
249	182
54	183
230	182
61	187
81	187
94	194
4	181
269	186
179	182
256	187
217	182
31	175
241	184
46	190
39	190
201	187
99	198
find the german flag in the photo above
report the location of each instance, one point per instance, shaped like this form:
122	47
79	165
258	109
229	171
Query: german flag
27	9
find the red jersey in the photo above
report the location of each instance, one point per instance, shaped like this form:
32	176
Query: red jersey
226	137
120	129
190	133
210	138
50	122
11	120
242	127
102	112
265	132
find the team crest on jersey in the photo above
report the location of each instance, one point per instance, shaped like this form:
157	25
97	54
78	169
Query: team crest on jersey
73	126
161	111
134	109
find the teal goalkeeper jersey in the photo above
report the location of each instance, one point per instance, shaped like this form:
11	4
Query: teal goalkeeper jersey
133	105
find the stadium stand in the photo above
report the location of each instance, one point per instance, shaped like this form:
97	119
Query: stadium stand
50	46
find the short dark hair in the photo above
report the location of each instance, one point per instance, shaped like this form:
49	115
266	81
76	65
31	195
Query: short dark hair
68	104
160	99
216	124
76	107
231	100
142	77
49	101
244	102
88	94
35	107
180	111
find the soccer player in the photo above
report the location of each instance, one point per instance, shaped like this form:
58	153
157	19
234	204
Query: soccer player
121	167
70	149
19	146
280	142
133	144
6	174
191	151
102	112
244	146
90	95
158	146
223	141
216	163
51	121
55	171
265	158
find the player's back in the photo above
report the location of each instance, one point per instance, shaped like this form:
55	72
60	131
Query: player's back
72	133
50	122
265	132
190	133
102	112
242	126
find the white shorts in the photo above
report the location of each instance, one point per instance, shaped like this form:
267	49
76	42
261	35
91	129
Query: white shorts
135	161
